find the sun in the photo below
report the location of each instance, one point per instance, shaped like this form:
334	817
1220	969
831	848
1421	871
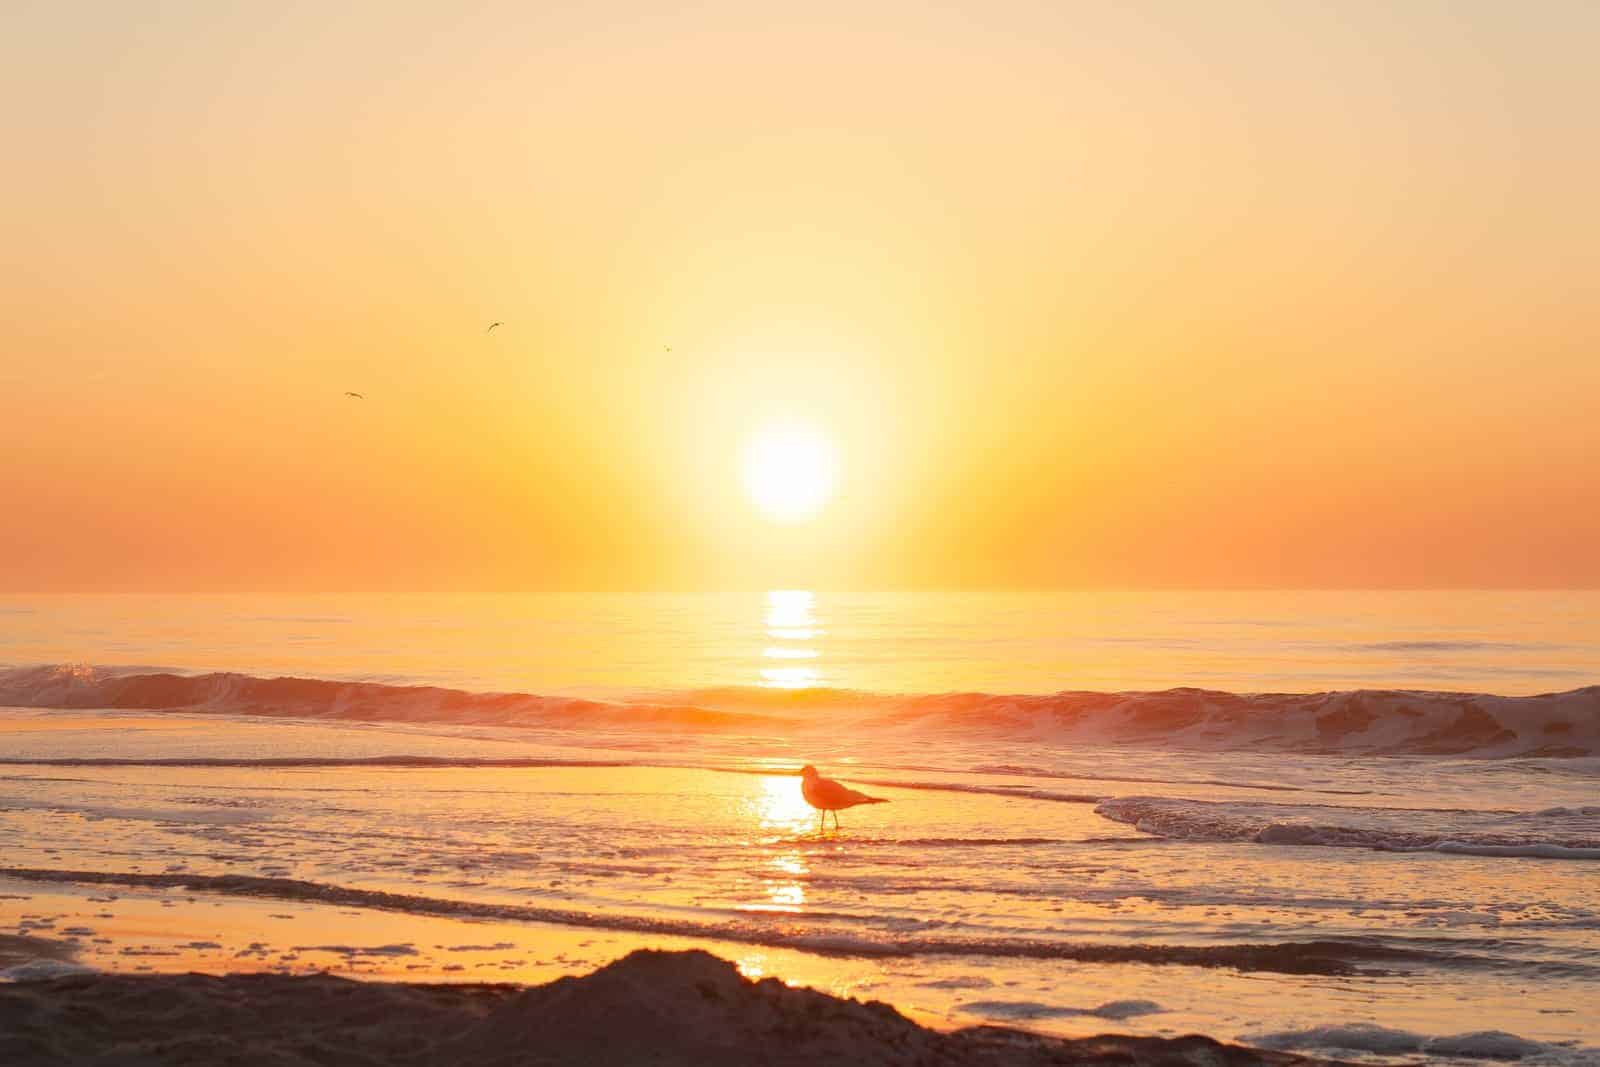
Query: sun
789	471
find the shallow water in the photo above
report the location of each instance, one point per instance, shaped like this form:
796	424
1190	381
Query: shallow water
1370	873
1003	882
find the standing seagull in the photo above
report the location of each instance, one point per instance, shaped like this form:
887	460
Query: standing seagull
492	325
827	795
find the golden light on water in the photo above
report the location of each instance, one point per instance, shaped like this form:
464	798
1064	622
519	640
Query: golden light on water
784	890
792	625
788	677
781	808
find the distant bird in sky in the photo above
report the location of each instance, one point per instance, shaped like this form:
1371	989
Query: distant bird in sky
827	795
492	325
358	396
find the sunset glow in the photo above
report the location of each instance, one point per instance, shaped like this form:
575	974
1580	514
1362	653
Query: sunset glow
789	471
1085	296
999	521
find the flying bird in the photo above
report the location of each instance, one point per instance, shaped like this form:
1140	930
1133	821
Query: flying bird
492	325
827	795
358	396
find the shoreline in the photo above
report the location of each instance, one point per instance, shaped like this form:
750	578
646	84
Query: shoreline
977	898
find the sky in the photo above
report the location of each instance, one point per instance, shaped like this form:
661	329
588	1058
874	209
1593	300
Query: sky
1079	295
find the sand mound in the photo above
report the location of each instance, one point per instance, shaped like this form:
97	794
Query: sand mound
662	1008
693	1008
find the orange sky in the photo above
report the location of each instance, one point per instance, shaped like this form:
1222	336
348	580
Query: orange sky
1144	295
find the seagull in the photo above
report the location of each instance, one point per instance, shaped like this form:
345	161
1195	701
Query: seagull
492	325
358	396
827	795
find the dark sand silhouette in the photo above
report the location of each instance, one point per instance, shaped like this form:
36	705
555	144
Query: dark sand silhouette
663	1008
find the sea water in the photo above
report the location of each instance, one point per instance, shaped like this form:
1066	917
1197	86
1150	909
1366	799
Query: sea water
1199	867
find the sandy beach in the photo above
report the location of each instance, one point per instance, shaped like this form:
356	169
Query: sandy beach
649	1007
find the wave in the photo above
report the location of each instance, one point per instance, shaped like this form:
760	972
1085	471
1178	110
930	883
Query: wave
1451	646
1025	1010
1354	722
74	686
1100	776
1021	792
1555	833
1339	957
1384	1041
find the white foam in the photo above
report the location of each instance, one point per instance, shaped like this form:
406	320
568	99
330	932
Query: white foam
43	970
1126	1009
1028	1009
1385	1041
1533	850
1353	1037
1542	835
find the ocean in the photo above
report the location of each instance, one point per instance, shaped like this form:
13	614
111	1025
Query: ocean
1365	824
1286	641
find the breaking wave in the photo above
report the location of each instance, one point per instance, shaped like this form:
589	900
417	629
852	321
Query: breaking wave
1376	1040
1555	833
1354	722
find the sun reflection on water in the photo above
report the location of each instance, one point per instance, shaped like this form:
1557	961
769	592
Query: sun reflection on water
791	617
782	810
778	652
784	890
